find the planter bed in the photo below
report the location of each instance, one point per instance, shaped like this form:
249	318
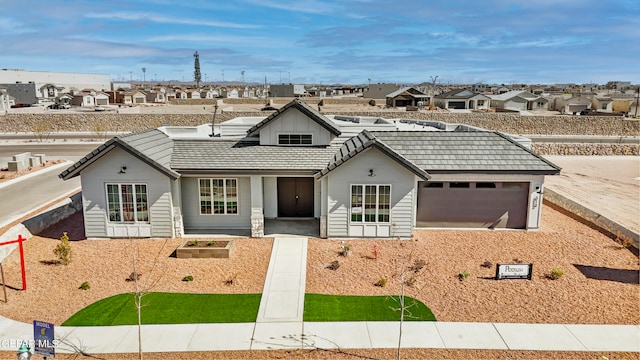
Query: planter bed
204	249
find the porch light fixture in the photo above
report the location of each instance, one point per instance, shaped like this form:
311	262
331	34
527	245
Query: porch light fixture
123	170
371	173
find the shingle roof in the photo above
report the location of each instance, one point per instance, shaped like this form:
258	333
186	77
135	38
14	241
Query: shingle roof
151	146
456	94
232	155
479	151
303	108
362	142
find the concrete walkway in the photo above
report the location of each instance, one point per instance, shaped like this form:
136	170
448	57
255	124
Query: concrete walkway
283	295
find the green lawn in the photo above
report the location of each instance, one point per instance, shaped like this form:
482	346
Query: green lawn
169	308
362	308
175	308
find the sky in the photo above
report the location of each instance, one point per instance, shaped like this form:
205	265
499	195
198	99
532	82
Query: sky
328	41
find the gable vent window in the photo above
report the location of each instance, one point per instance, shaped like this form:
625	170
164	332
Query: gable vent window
294	139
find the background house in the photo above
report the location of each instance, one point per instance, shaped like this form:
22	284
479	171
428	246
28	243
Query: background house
462	99
518	100
407	96
380	91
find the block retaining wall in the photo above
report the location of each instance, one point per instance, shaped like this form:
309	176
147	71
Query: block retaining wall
509	123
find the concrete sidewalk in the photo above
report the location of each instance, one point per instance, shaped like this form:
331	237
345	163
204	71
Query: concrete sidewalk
333	335
283	295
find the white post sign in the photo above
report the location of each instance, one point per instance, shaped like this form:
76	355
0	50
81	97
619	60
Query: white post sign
514	271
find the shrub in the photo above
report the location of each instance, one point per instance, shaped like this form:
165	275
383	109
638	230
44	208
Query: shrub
231	280
417	266
211	243
463	275
411	282
334	265
187	278
345	249
375	251
555	274
134	276
63	250
85	286
193	242
487	264
382	282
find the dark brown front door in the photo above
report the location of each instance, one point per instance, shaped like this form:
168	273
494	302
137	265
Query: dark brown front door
295	197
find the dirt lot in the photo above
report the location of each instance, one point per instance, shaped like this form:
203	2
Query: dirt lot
610	185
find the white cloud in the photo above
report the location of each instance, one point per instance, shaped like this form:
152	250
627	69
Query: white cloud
135	16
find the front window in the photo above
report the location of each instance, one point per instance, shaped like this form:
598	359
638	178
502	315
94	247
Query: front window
127	203
370	203
218	196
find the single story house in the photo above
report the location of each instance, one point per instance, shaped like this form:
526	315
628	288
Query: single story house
462	99
519	100
407	96
355	176
572	104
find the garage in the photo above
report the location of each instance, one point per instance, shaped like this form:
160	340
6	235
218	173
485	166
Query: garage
456	105
472	205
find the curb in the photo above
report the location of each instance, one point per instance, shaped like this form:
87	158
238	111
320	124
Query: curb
67	163
610	227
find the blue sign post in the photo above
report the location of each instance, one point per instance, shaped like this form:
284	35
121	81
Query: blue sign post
43	339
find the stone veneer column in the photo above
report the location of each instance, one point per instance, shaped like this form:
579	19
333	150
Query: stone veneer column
323	226
257	223
257	212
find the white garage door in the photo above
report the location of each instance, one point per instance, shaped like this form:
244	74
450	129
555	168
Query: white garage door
473	205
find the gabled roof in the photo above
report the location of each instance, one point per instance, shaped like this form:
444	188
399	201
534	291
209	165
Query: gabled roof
463	152
457	94
303	108
515	93
409	90
363	141
151	146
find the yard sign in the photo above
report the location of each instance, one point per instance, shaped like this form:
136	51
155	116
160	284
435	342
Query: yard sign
514	271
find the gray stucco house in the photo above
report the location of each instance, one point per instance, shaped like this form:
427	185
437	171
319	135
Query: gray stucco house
357	176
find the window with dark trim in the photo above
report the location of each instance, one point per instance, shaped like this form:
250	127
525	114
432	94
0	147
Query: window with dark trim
485	185
127	203
218	196
295	139
433	185
458	185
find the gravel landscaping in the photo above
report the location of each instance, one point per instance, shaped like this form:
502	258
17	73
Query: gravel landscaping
599	285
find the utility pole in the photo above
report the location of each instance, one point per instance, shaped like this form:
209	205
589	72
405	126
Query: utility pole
222	75
637	101
144	75
242	73
196	72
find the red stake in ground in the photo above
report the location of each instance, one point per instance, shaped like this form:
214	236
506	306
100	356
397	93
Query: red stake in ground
19	241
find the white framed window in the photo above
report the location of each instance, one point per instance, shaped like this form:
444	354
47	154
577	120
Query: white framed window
218	196
295	139
127	203
370	203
